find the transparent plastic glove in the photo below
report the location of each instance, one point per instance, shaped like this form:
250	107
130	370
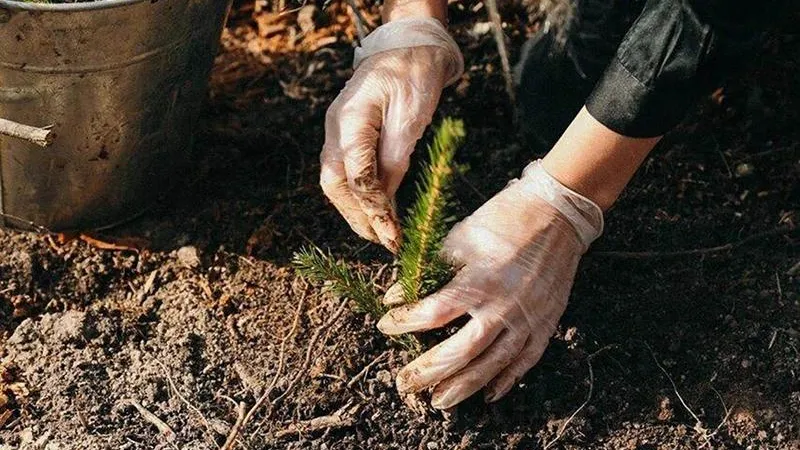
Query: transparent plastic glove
517	255
373	125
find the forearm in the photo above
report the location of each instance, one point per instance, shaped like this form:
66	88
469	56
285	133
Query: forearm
400	9
595	161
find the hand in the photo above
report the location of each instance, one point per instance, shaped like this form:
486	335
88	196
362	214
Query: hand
373	125
517	256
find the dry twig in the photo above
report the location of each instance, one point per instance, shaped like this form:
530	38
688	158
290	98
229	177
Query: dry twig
151	418
241	408
500	38
342	418
366	369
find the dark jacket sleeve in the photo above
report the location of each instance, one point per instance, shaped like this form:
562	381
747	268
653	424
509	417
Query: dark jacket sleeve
675	51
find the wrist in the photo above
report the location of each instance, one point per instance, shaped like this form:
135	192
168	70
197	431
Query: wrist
595	161
582	213
419	9
413	32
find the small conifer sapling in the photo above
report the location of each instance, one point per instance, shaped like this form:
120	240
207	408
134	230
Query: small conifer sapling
422	269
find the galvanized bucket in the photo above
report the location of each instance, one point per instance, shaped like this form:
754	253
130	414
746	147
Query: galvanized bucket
121	83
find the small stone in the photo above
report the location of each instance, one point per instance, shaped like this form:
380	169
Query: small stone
746	363
481	28
384	377
432	445
570	334
189	257
744	170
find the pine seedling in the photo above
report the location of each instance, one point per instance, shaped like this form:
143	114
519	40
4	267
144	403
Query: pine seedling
317	265
422	269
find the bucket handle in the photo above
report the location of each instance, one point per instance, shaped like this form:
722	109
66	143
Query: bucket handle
41	136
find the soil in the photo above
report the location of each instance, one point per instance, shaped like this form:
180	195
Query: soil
163	348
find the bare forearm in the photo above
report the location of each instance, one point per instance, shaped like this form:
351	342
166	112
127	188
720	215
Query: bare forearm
595	161
400	9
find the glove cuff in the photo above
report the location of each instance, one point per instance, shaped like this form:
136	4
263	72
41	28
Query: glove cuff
411	32
584	215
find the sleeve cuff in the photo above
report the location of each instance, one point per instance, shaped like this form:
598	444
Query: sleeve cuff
629	107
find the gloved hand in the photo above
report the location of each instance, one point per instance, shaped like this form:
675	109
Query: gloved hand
373	125
517	256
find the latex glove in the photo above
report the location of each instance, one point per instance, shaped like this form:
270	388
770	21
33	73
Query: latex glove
517	255
373	125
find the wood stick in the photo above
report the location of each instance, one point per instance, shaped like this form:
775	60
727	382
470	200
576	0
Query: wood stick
42	137
163	428
500	40
366	369
230	442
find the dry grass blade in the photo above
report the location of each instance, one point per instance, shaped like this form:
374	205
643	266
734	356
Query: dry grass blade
583	405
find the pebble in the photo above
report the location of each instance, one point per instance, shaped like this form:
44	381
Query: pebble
189	257
384	377
744	169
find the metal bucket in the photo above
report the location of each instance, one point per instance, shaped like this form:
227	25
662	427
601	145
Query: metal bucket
121	82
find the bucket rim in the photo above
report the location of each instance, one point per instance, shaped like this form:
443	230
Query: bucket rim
67	7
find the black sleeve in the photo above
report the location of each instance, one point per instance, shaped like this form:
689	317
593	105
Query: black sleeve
675	51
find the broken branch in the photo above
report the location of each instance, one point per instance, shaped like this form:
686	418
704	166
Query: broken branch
163	428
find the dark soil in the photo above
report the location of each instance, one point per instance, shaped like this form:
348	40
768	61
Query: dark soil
212	315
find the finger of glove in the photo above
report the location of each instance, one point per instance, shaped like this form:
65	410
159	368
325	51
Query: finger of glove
479	372
434	311
527	358
333	182
360	164
408	114
351	122
448	357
